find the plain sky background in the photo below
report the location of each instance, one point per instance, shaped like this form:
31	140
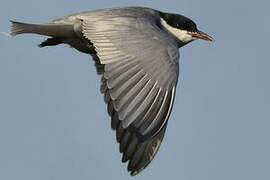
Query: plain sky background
54	124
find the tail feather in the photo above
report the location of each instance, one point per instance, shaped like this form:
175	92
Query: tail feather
19	28
54	30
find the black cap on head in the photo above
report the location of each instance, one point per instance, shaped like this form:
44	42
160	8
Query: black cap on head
179	21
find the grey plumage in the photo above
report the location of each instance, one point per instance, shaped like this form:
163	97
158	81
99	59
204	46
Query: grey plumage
137	83
137	55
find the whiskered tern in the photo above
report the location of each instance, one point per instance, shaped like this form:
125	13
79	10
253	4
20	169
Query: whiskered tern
135	50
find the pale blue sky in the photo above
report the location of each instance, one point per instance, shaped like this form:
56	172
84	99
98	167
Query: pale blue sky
54	124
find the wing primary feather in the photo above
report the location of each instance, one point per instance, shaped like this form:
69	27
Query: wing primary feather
119	132
121	90
103	86
148	126
125	140
136	156
114	120
129	94
116	81
148	116
150	152
136	103
107	96
130	149
125	103
110	107
145	105
161	117
117	72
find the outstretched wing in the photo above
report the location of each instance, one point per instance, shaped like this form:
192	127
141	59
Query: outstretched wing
140	75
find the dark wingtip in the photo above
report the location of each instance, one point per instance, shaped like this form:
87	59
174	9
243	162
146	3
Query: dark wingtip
134	173
52	41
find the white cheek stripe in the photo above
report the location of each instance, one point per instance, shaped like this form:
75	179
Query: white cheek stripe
182	35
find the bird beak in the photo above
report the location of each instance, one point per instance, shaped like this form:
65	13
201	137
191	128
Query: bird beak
201	35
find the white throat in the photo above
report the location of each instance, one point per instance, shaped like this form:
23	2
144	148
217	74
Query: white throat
182	35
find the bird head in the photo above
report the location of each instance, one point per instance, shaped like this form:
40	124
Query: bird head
183	28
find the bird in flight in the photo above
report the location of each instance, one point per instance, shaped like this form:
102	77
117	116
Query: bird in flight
135	50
